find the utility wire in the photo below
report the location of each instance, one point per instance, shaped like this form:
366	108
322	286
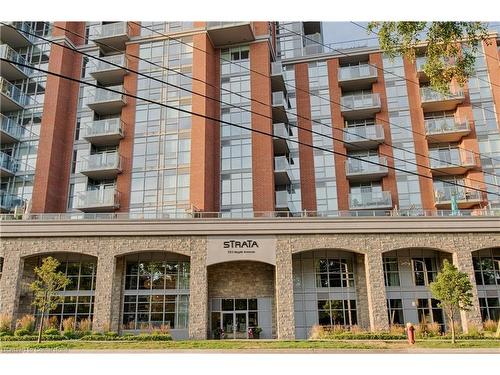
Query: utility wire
237	125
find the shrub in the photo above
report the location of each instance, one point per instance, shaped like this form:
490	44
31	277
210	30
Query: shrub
5	333
355	329
111	334
27	322
433	329
163	329
51	322
473	330
51	332
490	325
85	325
5	323
397	330
317	332
69	324
21	332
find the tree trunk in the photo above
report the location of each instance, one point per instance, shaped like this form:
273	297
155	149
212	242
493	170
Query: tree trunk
452	326
40	327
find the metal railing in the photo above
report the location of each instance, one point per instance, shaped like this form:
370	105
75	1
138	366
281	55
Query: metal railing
11	127
347	73
445	195
97	198
359	101
451	158
101	66
8	163
8	53
364	133
101	161
445	125
370	200
358	167
14	93
103	127
430	95
256	215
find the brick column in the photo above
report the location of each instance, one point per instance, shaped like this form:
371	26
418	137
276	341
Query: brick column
463	261
198	291
285	317
375	287
107	293
10	285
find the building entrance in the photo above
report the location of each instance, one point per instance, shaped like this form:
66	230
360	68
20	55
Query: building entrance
238	318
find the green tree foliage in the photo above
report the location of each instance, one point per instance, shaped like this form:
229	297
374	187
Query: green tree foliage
450	47
45	288
453	289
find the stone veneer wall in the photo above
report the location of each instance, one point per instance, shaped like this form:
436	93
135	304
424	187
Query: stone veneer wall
108	249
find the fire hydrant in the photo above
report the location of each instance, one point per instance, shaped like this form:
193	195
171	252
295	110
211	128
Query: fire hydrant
410	333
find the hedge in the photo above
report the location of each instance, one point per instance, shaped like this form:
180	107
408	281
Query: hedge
94	337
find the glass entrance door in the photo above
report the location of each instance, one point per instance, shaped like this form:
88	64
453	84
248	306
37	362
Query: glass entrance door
241	326
228	325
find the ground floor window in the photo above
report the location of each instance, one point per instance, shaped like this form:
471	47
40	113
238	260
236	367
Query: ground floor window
337	312
395	311
141	312
490	308
429	312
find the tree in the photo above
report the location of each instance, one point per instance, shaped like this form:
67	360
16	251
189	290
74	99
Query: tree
45	288
450	47
453	289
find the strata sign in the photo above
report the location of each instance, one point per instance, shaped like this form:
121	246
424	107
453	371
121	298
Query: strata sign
254	248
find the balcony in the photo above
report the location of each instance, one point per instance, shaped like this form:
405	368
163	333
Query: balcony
357	77
357	170
14	34
446	129
312	43
433	101
107	74
103	132
280	106
226	33
281	144
465	198
363	137
8	165
11	97
106	102
374	200
102	200
8	202
102	166
283	201
452	161
10	131
110	37
277	77
282	172
360	106
11	71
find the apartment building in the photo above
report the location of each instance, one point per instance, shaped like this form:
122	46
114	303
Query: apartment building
228	175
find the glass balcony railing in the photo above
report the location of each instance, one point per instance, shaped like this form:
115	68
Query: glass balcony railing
282	130
8	164
109	30
17	34
8	53
347	73
281	163
102	127
359	101
451	158
103	95
283	201
11	131
107	198
220	24
101	161
462	195
364	133
102	66
420	62
370	200
280	99
16	98
8	202
359	167
276	68
429	95
445	125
